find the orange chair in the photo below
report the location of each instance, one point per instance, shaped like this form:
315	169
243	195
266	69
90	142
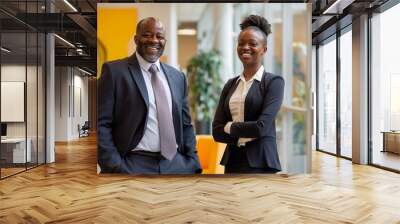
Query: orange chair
210	154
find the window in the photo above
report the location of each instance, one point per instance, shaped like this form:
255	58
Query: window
385	88
346	94
327	96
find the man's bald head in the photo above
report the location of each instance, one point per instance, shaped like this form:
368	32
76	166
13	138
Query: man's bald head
153	20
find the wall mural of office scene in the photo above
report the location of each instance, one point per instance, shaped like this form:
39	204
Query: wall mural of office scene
205	88
22	63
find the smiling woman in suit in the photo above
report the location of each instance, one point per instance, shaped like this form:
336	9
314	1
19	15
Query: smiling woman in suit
248	105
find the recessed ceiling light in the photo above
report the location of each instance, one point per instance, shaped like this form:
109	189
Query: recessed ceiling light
70	5
64	40
5	50
337	7
187	32
84	71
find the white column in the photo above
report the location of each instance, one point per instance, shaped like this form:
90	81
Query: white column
50	99
224	39
71	103
360	90
269	10
313	92
287	73
173	36
378	81
65	124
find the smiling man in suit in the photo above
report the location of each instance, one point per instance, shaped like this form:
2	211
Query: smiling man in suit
144	124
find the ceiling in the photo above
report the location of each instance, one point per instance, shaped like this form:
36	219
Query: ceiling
79	27
328	16
74	22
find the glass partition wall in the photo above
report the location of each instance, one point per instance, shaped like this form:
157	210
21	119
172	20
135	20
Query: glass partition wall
334	94
327	78
346	93
22	77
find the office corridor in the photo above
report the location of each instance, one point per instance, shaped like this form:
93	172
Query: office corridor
70	191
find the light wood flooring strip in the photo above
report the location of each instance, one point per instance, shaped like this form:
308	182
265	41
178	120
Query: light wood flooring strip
70	191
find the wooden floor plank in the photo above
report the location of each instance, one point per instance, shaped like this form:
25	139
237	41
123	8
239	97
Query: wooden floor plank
70	191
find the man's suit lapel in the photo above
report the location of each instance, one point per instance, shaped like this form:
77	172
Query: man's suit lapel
173	88
137	75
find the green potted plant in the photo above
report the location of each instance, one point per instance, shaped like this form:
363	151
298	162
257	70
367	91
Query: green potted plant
204	88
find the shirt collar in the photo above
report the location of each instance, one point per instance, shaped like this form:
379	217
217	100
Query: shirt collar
145	64
257	76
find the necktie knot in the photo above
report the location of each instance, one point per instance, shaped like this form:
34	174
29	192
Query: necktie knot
153	69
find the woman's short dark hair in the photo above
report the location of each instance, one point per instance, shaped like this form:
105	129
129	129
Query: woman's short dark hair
258	23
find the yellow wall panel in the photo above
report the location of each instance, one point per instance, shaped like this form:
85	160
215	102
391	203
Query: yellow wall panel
116	27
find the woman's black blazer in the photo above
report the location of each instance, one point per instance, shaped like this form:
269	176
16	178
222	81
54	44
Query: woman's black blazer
262	104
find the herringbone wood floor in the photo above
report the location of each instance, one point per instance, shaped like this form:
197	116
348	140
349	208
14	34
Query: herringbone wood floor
70	191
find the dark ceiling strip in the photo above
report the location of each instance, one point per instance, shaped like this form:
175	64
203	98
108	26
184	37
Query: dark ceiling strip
16	19
91	5
331	30
386	5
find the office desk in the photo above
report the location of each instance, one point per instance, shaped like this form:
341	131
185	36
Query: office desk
391	142
13	150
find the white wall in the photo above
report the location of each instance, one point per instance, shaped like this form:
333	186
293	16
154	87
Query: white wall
33	126
206	29
166	13
13	73
62	81
17	73
71	94
314	98
81	103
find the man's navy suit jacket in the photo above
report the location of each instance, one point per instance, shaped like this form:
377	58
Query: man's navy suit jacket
123	112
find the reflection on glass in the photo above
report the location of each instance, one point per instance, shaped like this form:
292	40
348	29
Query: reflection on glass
14	153
327	97
385	86
346	94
